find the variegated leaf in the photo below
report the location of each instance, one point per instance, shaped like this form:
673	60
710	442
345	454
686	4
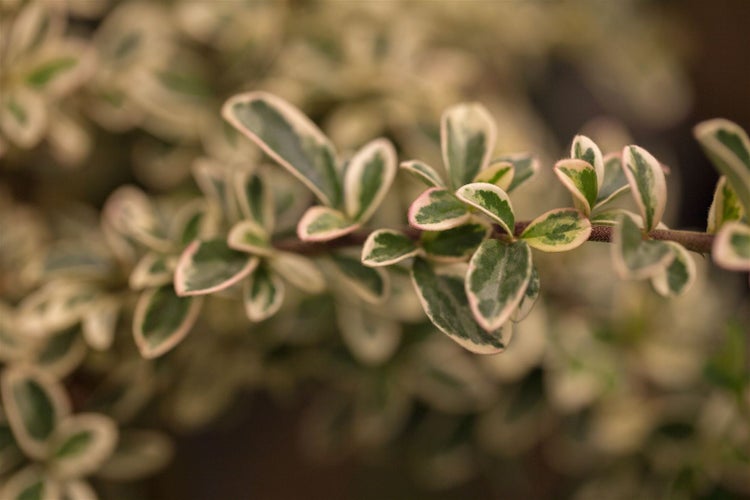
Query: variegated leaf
34	403
23	117
62	352
210	266
386	246
195	220
369	284
162	319
99	324
423	172
298	270
490	200
728	147
255	198
497	279
54	307
324	224
647	183
678	276
30	483
10	454
614	183
579	177
499	173
731	248
262	294
372	339
585	149
248	236
78	489
454	244
56	70
139	453
442	293
467	137
530	296
558	230
130	213
81	443
214	179
634	257
725	206
290	138
437	209
154	269
524	167
368	178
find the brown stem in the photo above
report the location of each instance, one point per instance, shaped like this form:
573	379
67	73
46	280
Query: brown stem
691	240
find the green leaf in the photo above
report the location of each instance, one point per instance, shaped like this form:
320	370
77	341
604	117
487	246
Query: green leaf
524	168
728	365
262	294
443	296
646	178
725	206
248	236
99	324
162	319
437	209
385	247
499	173
81	444
579	177
30	483
731	248
194	220
530	296
23	117
298	270
255	198
324	224
558	230
369	284
368	178
423	172
290	138
210	266
42	74
490	200
585	149
454	244
214	179
372	339
679	276
614	183
467	137
498	276
727	146
154	269
34	403
634	257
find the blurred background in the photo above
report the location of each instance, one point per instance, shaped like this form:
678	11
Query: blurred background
607	392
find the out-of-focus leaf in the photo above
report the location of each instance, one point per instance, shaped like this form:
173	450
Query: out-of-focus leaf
524	168
248	236
154	269
731	248
81	444
31	483
262	294
210	266
368	283
614	183
298	270
634	257
499	173
679	276
725	206
424	173
139	454
371	338
162	319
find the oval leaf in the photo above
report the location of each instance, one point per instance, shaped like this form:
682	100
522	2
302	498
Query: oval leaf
455	244
299	271
728	147
498	276
731	249
614	182
634	257
290	138
368	177
372	339
30	483
81	444
467	137
255	198
725	206
443	296
34	403
209	266
499	173
585	149
679	276
579	177
370	284
130	213
423	172
162	319
385	247
262	294
492	201
100	322
324	224
437	209
524	167
248	236
558	230
152	270
646	178
139	454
